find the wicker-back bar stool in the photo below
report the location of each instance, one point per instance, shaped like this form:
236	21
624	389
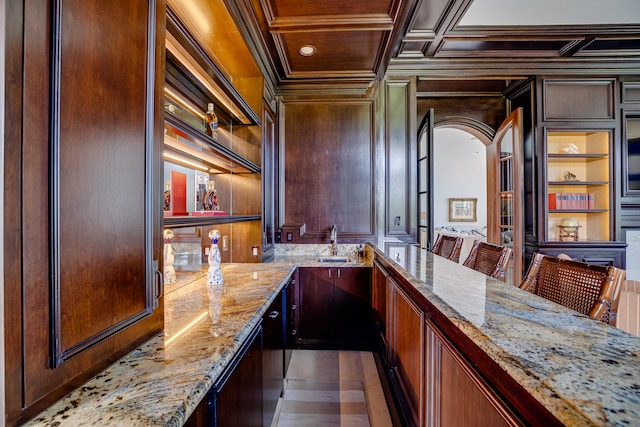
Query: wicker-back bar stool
489	259
448	247
590	289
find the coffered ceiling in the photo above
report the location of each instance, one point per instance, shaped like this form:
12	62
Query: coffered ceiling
355	42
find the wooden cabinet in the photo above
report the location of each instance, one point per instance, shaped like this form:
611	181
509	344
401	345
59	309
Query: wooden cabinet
406	353
290	309
578	178
571	167
335	307
438	375
82	205
237	397
379	292
273	323
228	159
456	394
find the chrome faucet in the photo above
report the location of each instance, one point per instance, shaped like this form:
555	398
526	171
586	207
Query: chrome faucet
334	240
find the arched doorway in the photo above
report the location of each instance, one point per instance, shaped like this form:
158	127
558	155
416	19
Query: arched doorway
496	152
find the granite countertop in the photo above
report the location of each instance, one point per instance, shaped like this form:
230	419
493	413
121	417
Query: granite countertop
161	382
583	371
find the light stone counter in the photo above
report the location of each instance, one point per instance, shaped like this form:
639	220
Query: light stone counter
583	371
161	382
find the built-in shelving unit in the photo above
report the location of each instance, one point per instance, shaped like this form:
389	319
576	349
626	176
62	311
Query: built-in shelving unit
229	160
578	182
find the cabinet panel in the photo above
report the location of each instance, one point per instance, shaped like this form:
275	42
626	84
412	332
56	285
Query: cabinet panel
406	350
272	357
237	398
578	99
457	395
89	215
351	323
335	307
379	297
316	302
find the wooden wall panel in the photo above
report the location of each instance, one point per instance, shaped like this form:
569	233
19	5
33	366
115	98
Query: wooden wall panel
401	159
327	170
585	99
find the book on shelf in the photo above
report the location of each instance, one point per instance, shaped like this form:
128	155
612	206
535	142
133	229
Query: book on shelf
571	201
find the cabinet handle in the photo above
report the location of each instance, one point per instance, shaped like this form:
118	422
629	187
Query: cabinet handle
293	306
274	314
338	273
329	273
294	331
158	287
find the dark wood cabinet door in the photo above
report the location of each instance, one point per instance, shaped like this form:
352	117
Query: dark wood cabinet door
352	323
237	399
86	222
379	297
272	357
316	305
407	352
290	311
457	395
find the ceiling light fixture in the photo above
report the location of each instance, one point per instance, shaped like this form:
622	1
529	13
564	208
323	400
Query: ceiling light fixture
307	50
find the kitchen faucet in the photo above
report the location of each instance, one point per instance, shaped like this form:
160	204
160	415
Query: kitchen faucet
334	240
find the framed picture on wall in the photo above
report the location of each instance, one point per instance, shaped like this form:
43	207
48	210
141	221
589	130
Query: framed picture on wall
462	210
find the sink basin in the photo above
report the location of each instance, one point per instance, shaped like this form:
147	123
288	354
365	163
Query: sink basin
334	259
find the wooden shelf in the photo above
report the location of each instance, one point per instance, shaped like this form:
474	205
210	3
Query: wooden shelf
578	210
192	221
578	183
570	158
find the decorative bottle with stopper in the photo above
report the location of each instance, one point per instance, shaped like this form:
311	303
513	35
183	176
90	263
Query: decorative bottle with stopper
210	198
214	275
169	270
211	122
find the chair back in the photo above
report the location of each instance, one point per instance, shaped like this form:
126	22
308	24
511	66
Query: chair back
489	259
590	289
448	247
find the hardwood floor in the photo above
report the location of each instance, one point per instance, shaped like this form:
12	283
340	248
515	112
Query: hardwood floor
332	388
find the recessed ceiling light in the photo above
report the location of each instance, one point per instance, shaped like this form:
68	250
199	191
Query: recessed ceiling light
307	50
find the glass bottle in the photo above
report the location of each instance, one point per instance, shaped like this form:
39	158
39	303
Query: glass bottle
211	122
167	196
210	200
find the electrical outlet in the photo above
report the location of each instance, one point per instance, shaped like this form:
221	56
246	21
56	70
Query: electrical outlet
289	237
225	243
254	251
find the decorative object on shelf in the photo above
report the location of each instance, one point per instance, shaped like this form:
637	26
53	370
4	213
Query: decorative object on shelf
201	180
568	229
462	210
210	199
211	122
569	176
167	196
169	269
571	149
178	193
214	275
